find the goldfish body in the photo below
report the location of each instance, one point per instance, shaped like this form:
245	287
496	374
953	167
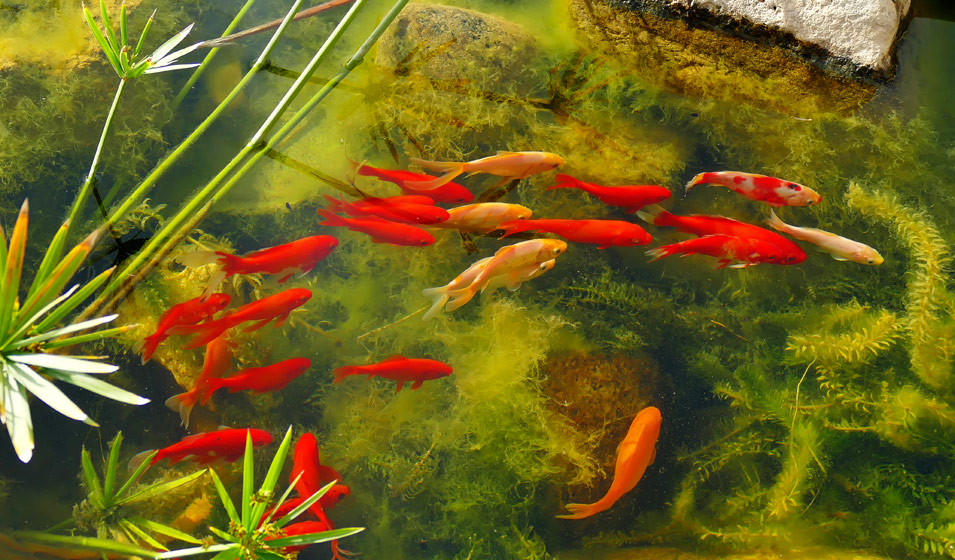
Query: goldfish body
840	248
262	311
216	363
299	256
227	444
185	313
261	379
400	369
726	248
509	165
630	197
402	210
451	193
512	282
309	475
772	191
381	231
635	453
602	233
701	225
484	217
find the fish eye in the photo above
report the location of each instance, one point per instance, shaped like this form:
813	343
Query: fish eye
790	258
661	199
870	261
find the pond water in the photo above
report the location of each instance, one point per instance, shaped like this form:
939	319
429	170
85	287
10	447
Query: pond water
806	408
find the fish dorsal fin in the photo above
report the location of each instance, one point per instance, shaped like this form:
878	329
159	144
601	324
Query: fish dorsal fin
395	358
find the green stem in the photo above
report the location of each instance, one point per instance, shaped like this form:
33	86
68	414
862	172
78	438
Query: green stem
212	188
150	181
212	53
88	184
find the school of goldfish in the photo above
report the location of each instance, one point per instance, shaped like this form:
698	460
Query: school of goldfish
412	219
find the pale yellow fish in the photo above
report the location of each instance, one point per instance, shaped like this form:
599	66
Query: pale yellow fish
483	217
840	248
509	165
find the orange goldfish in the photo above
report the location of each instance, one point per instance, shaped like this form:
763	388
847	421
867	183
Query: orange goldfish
772	191
509	165
840	248
630	197
635	453
216	363
451	193
275	307
311	475
185	313
272	377
400	369
394	209
227	444
484	217
603	233
381	231
727	248
512	282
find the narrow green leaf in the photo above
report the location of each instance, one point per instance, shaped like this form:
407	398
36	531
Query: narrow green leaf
315	538
198	550
272	476
142	36
223	535
248	483
133	478
164	530
303	507
49	393
103	43
112	464
63	363
170	44
56	333
97	386
227	554
91	337
19	326
143	535
110	34
50	257
92	479
225	499
13	267
158	489
79	297
282	499
65	543
170	68
123	33
16	414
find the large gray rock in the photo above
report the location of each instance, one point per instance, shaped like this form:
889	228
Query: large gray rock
862	31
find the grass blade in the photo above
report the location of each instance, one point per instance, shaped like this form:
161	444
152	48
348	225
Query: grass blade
74	545
111	465
248	483
97	386
13	267
56	333
142	36
164	530
103	43
51	257
49	393
91	337
143	535
162	488
92	479
79	297
16	415
21	326
123	32
199	550
282	499
62	363
170	67
315	538
136	474
108	25
225	499
170	44
61	275
272	476
303	507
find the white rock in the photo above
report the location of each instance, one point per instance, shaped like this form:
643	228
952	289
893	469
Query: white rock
863	31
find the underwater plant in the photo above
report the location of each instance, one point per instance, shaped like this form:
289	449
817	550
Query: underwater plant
31	343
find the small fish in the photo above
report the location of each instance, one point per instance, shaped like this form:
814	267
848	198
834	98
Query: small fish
509	165
761	188
227	444
840	248
451	193
393	209
701	225
727	248
216	363
264	379
381	231
484	217
185	313
635	453
400	369
311	475
629	197
603	233
299	256
275	307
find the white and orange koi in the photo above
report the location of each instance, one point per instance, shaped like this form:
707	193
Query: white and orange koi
508	165
483	217
440	295
840	248
772	191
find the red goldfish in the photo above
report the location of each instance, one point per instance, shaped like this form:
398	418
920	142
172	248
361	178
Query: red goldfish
630	197
772	191
400	369
262	311
329	499
381	231
312	475
227	444
390	209
509	165
185	313
635	453
724	247
451	193
283	260
216	363
484	217
259	380
718	225
602	233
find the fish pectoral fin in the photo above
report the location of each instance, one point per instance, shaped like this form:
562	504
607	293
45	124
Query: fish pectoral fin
417	385
837	257
400	386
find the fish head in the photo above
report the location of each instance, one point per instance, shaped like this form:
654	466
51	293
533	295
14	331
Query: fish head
260	437
868	255
217	302
551	248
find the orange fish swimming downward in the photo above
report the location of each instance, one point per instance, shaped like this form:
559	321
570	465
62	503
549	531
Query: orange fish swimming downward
635	454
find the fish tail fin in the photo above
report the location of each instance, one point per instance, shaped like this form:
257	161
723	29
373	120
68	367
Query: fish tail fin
697	179
439	296
457	298
451	170
230	263
208	387
655	215
580	511
774	222
515	226
331	219
198	258
138	459
565	182
148	346
182	403
343	372
334	204
663	251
